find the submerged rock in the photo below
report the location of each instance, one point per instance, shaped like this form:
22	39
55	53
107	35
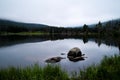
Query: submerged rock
54	59
75	59
62	53
75	54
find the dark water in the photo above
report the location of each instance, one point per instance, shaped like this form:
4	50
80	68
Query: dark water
24	51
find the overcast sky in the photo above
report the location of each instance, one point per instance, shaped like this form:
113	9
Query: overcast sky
60	12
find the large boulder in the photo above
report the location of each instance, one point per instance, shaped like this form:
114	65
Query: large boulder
54	59
75	54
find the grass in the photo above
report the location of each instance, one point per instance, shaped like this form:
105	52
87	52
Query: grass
37	33
25	33
34	73
108	69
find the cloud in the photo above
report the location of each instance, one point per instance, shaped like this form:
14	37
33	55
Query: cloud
60	12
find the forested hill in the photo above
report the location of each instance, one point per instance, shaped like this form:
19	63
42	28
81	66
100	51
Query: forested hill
12	26
20	24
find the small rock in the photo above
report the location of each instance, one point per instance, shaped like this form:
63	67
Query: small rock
54	59
62	53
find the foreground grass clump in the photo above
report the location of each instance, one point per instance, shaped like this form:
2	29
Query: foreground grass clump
108	69
34	73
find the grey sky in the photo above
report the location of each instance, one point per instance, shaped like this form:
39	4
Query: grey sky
60	12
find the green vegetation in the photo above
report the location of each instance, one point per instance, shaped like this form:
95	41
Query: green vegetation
24	33
34	73
108	69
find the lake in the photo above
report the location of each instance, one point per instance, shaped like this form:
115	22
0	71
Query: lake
24	51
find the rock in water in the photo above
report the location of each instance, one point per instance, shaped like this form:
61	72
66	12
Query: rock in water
62	53
54	59
75	54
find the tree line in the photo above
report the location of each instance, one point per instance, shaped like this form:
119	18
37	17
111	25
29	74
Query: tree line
111	28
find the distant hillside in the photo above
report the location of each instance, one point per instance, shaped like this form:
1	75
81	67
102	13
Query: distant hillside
20	24
113	23
12	26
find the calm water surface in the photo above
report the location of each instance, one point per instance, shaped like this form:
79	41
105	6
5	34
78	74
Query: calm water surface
27	53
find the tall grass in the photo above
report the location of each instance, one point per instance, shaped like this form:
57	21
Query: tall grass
108	69
34	73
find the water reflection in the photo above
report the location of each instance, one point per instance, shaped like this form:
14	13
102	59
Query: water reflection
76	59
26	50
85	39
12	40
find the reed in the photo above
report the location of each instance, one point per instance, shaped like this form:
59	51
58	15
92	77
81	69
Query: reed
108	69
